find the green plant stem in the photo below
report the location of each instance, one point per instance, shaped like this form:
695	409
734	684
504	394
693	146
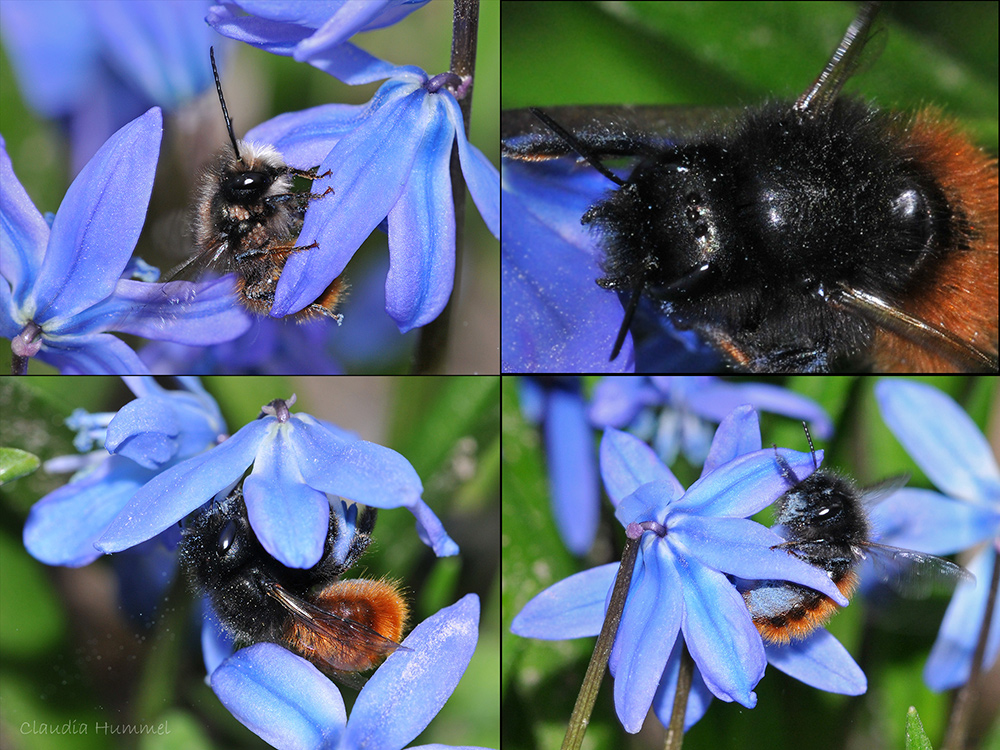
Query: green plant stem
961	712
433	345
602	649
675	730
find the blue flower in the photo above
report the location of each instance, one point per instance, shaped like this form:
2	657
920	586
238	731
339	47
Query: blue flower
289	703
296	460
558	406
96	65
63	526
63	287
691	542
956	457
679	413
316	33
387	160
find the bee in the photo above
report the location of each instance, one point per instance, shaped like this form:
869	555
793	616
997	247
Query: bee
818	235
826	525
341	626
246	218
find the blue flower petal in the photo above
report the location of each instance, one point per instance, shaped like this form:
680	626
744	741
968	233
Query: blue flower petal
940	437
290	518
415	683
422	235
555	318
738	434
647	632
369	168
572	608
628	463
821	661
145	430
720	635
181	489
199	314
98	222
97	354
572	473
24	235
63	526
927	521
716	398
699	699
745	485
950	662
741	547
481	176
281	697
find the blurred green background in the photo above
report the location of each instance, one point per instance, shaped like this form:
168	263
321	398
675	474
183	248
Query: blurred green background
541	678
739	53
68	655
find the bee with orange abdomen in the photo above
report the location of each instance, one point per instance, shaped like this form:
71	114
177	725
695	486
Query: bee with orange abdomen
815	235
342	626
826	525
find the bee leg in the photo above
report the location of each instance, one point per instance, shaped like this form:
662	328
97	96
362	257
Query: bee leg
309	174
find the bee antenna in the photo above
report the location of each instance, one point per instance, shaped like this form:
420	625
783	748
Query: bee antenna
222	101
811	449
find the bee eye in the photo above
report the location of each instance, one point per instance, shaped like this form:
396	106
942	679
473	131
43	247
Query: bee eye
244	186
226	538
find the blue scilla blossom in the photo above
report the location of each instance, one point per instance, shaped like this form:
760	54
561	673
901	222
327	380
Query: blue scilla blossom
555	318
97	64
63	289
952	451
296	460
386	159
557	404
386	162
691	541
315	32
62	527
290	704
678	414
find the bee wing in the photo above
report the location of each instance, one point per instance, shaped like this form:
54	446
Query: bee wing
938	341
881	490
913	574
608	130
355	636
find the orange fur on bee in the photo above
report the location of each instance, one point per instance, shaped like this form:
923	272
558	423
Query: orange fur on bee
377	605
813	613
958	291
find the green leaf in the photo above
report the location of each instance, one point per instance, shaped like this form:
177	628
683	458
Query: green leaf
740	53
916	737
15	463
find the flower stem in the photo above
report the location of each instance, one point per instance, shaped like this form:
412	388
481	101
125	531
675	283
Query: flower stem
18	364
433	344
961	714
602	649
675	730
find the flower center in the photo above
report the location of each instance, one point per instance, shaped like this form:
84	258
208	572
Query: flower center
634	530
28	341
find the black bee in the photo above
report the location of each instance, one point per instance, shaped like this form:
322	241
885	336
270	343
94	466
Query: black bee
246	218
816	235
342	626
826	525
